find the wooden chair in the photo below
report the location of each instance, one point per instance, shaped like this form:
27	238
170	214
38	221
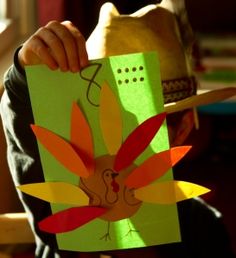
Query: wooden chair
15	229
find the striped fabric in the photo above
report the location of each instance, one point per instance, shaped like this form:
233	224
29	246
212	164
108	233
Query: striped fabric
177	89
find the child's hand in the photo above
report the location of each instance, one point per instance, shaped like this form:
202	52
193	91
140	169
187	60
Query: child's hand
58	45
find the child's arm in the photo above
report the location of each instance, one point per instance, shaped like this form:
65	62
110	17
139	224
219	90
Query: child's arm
58	45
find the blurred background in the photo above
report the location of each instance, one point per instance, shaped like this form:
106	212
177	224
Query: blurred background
212	161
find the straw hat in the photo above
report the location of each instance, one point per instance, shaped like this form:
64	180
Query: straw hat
163	28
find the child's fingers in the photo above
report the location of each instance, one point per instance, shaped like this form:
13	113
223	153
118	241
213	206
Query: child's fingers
54	47
40	53
68	43
58	45
34	51
79	42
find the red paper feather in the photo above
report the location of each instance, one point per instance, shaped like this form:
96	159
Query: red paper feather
137	141
70	219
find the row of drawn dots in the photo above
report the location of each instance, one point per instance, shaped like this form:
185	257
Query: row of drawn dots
133	69
141	79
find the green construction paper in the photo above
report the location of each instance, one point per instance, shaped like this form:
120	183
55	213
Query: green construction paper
135	80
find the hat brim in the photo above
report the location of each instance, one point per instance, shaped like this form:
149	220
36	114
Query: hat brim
203	97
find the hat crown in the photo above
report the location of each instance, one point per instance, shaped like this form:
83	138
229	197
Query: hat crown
152	28
163	28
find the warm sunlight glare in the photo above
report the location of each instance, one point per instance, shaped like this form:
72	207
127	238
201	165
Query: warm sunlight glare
2	26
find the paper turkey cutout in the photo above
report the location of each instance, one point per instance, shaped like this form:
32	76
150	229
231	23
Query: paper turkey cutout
111	186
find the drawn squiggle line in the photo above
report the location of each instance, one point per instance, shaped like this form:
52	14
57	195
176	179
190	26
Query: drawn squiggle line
91	81
93	195
107	188
136	202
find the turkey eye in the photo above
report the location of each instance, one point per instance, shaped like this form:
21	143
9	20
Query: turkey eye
108	173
